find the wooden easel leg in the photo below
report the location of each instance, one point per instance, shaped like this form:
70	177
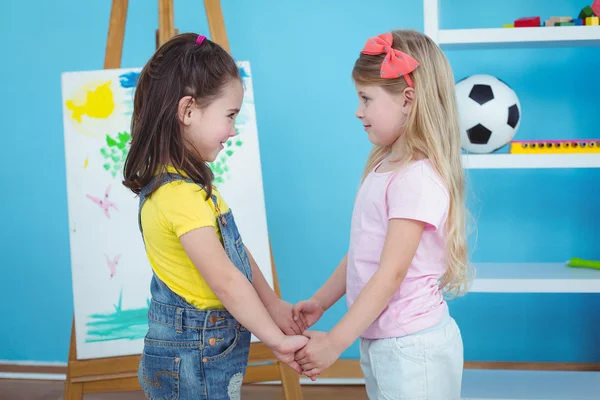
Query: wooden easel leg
112	59
290	382
289	378
73	391
166	21
216	23
116	34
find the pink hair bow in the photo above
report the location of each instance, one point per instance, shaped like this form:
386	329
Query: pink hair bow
396	63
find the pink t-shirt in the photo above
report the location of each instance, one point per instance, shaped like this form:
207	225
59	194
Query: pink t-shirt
414	192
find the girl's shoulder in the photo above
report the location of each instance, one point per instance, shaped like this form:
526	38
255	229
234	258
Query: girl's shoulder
178	190
186	195
422	173
181	206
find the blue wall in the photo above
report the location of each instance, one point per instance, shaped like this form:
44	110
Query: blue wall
312	150
532	215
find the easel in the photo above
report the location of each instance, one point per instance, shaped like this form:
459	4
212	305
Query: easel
119	374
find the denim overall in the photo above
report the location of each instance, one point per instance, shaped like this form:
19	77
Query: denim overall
191	353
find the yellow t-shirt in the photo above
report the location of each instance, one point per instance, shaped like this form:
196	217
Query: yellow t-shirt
174	209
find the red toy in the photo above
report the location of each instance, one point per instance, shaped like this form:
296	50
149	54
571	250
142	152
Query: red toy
527	22
596	7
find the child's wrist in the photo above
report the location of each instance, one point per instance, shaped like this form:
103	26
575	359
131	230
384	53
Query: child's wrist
275	340
339	339
320	303
272	302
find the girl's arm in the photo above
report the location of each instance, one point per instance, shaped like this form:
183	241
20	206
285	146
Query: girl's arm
334	288
230	286
279	310
308	312
401	243
266	294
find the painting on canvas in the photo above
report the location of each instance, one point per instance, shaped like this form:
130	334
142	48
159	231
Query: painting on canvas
110	271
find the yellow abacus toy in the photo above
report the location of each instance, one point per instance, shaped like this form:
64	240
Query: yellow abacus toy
583	146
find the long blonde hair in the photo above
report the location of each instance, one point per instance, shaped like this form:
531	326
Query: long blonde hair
431	130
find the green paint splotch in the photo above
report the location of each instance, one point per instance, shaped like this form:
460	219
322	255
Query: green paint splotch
219	166
115	152
121	324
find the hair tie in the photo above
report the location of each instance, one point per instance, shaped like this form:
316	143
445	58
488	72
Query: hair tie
396	63
200	39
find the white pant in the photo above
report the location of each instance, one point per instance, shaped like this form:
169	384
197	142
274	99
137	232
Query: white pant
423	366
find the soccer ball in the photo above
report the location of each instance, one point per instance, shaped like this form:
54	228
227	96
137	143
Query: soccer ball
489	113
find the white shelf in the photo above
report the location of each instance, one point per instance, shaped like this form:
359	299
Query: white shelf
549	36
525	385
534	278
481	384
496	161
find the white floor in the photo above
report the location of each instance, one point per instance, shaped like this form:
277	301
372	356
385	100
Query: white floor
478	384
529	385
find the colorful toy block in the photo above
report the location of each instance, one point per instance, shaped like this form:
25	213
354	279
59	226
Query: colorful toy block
508	25
527	22
578	22
592	21
553	21
596	7
565	24
586	12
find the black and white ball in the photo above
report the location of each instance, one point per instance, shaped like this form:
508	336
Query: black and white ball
489	113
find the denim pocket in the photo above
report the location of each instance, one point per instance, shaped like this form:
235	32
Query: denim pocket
398	376
160	377
219	342
410	348
430	343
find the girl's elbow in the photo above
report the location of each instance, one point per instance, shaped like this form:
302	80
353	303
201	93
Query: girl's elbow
399	276
224	285
395	276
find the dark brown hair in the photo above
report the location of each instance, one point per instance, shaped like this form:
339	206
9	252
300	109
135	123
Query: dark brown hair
179	68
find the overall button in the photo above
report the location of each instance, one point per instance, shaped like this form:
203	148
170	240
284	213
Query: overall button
212	341
212	319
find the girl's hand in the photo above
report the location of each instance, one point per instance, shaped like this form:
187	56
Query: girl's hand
281	312
287	348
307	312
318	355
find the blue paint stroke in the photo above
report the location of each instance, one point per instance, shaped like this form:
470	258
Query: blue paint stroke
243	73
129	80
121	324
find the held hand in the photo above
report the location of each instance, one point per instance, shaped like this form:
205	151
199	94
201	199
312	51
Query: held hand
319	353
308	312
285	350
281	313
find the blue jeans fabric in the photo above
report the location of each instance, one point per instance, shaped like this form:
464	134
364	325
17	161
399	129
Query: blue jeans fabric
191	353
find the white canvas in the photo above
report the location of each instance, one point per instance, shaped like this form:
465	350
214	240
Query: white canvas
110	271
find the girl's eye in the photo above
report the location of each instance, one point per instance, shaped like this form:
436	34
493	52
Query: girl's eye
232	116
365	99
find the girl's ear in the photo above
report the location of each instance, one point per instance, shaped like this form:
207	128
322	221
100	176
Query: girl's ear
184	110
408	96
